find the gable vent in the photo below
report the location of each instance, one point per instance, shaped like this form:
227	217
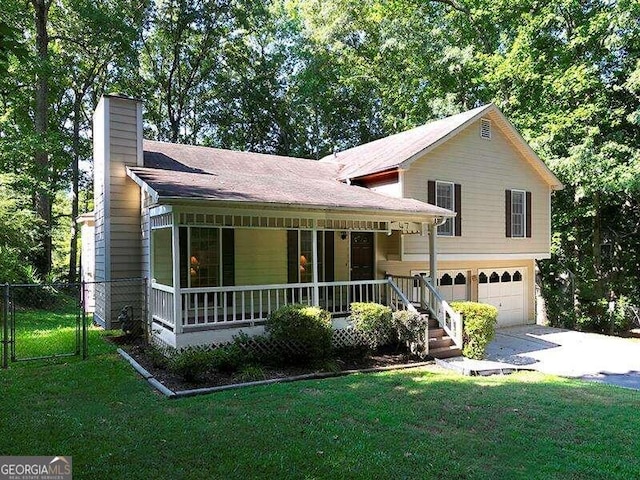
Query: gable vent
485	129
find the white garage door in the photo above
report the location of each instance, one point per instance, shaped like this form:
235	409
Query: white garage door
505	290
452	284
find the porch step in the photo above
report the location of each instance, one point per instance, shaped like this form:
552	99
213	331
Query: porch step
439	342
436	333
441	345
445	352
433	323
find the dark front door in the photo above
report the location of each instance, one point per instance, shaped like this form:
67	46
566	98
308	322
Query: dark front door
362	256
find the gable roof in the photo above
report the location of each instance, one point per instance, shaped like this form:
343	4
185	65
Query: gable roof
399	151
175	171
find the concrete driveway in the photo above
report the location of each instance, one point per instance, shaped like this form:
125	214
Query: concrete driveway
588	356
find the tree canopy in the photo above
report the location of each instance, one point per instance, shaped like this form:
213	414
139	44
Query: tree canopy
302	77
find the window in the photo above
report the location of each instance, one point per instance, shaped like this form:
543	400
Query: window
445	192
446	280
447	195
518	213
300	256
206	257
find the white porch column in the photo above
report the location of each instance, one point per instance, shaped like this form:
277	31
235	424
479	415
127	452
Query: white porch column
433	257
177	297
316	289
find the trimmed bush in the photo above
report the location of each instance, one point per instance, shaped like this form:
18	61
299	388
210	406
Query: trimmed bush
374	322
411	328
191	364
309	328
479	327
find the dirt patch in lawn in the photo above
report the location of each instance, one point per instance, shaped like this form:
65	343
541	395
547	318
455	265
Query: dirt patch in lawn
344	360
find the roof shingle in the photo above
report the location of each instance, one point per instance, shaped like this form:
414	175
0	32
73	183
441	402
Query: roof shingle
183	171
389	152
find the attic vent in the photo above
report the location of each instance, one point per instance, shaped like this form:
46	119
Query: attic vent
485	129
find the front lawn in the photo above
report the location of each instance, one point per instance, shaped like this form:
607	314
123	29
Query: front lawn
409	424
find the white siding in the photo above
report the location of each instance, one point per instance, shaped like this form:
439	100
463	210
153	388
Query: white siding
260	256
117	203
485	169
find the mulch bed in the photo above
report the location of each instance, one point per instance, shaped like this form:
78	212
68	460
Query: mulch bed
385	357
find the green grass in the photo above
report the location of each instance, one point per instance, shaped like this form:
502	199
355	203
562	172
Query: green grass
40	334
407	424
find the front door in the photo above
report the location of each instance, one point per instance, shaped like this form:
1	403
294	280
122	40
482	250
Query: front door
362	256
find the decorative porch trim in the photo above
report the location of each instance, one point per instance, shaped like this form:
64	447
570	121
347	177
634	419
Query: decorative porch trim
283	222
452	257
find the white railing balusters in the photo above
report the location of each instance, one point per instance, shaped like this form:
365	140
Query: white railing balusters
231	304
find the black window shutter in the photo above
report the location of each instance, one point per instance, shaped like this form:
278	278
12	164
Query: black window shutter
431	192
228	257
458	205
528	233
507	212
293	262
329	257
184	256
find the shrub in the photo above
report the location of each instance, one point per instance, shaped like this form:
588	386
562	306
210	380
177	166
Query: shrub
228	358
374	321
157	356
479	327
307	329
191	364
411	329
251	373
595	316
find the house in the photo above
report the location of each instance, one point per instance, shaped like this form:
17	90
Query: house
228	236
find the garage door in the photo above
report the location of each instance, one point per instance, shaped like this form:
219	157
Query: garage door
452	284
505	290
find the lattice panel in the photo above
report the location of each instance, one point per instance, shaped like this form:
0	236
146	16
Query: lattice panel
345	337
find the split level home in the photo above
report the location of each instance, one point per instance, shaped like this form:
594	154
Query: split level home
457	209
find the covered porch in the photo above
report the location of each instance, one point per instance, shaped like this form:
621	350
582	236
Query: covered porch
216	271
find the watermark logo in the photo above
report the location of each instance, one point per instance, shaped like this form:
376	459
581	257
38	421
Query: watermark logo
36	468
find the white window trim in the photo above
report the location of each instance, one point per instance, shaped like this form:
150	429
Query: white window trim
453	206
524	214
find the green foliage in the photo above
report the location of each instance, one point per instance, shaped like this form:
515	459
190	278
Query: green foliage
250	373
157	355
597	317
308	328
411	329
479	326
374	321
228	358
191	364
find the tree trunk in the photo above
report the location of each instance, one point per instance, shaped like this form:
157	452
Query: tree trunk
597	248
43	258
75	176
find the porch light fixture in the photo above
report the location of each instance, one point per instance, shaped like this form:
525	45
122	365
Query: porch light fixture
343	235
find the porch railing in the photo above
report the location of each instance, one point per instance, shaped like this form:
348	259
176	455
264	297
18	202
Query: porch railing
162	304
398	300
209	306
449	320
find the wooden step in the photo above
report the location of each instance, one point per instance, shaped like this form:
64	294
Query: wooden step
433	322
445	352
436	333
439	342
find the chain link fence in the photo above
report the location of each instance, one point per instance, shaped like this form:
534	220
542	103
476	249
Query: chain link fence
43	321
